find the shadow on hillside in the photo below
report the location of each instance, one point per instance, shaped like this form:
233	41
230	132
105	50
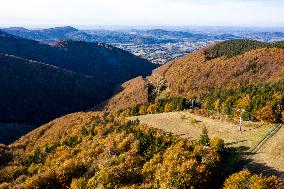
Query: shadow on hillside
101	106
264	169
237	142
10	132
243	159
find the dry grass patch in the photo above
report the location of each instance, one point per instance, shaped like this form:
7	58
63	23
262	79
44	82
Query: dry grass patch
190	125
270	158
272	153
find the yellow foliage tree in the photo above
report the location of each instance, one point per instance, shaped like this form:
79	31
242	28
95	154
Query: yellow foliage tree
205	105
217	105
169	107
227	106
217	144
152	109
266	113
242	103
244	179
143	110
79	183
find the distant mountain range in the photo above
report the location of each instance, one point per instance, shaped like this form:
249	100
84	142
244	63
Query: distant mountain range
135	36
52	34
154	36
156	45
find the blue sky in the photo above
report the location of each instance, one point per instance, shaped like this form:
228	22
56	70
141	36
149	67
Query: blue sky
142	12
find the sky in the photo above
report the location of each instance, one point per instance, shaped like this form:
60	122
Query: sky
42	13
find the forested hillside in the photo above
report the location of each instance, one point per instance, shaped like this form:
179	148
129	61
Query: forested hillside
132	92
34	93
87	73
232	48
40	82
98	150
109	65
238	75
105	150
194	74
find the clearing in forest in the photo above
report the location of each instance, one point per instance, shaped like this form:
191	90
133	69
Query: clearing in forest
185	124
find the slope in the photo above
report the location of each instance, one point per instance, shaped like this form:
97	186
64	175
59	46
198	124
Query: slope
96	150
34	93
132	92
102	61
198	73
193	74
106	66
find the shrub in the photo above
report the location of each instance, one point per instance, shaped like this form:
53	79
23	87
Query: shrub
143	110
5	186
35	158
217	105
80	183
152	109
72	141
266	113
169	107
217	145
246	180
69	170
5	155
193	121
46	180
204	138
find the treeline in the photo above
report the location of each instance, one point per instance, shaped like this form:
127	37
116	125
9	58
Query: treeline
262	102
101	151
161	106
233	48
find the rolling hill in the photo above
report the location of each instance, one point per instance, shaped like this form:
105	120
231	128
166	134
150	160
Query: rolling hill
40	82
96	150
132	92
51	34
104	62
225	65
34	93
105	150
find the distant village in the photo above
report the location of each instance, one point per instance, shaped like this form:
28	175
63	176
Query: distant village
162	53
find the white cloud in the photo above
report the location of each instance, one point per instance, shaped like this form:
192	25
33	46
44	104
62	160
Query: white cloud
142	12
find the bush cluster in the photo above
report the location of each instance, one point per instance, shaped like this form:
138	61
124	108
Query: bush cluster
262	102
107	153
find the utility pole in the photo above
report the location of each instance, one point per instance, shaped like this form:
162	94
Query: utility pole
241	121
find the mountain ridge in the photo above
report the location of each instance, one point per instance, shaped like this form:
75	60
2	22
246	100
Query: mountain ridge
195	74
53	73
50	34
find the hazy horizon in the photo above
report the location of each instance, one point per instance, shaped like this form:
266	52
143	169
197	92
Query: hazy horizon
91	13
